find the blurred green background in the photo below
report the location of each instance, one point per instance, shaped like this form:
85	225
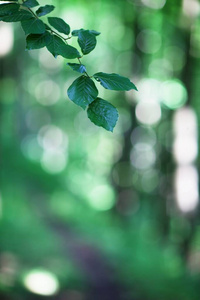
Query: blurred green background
86	214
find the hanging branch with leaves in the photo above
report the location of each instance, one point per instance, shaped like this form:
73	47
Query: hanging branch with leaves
83	90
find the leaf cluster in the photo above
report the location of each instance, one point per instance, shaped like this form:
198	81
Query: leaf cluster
54	36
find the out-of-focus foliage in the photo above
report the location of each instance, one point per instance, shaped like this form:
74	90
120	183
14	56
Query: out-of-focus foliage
86	214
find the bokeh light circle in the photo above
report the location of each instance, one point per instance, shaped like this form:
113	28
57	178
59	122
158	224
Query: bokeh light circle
154	4
173	93
41	282
149	41
148	113
102	197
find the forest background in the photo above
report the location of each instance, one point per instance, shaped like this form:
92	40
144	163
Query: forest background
89	214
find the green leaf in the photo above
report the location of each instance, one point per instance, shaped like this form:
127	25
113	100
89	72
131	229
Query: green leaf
87	41
94	32
68	51
54	44
114	82
31	3
57	47
33	25
103	114
44	10
77	67
37	41
59	24
7	9
82	91
17	16
76	32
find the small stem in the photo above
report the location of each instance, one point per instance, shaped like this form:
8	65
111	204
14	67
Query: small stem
48	25
59	35
52	31
81	64
28	8
33	13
